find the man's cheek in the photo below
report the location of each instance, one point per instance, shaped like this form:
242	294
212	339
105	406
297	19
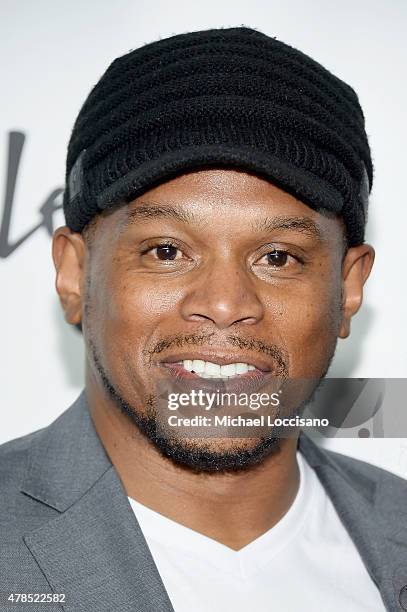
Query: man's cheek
312	336
129	316
132	301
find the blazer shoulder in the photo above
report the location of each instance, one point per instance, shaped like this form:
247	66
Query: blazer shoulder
364	468
358	470
13	459
365	477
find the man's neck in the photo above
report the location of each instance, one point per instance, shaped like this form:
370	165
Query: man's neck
233	508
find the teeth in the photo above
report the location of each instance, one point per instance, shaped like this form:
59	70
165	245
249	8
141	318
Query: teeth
208	369
229	370
187	363
212	368
198	366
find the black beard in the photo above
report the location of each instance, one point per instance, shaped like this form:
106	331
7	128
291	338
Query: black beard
197	457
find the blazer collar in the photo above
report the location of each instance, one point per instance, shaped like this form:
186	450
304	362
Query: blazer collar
66	458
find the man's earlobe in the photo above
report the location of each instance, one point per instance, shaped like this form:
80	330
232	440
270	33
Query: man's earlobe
68	253
356	268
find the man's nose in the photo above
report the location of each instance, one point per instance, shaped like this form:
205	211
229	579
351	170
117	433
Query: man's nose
223	295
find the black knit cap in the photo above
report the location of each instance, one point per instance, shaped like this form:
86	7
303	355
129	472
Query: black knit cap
225	97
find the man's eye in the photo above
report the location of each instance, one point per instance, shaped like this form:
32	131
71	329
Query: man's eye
166	252
276	258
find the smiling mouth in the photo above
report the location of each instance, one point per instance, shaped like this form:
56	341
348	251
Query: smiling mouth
205	369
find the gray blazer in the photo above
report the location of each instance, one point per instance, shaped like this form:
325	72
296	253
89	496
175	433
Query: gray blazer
66	525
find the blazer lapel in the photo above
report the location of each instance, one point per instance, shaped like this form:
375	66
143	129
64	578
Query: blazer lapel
391	504
93	550
364	508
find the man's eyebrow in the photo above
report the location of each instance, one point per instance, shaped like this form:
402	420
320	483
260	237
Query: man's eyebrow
304	225
151	210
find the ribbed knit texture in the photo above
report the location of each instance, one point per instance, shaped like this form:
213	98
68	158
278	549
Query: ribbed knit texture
228	97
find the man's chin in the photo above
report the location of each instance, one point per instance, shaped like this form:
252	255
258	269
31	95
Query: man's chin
216	455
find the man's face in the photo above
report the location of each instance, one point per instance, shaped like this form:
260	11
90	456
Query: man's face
214	265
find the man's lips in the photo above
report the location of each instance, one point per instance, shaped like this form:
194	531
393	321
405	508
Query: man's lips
263	378
174	363
178	370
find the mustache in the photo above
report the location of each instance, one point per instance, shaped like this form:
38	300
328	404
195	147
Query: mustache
277	354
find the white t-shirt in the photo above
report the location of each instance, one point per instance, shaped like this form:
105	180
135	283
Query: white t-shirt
307	561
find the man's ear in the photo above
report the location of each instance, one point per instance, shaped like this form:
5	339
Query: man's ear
356	268
68	253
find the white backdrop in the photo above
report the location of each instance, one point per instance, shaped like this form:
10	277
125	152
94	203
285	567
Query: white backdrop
52	53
